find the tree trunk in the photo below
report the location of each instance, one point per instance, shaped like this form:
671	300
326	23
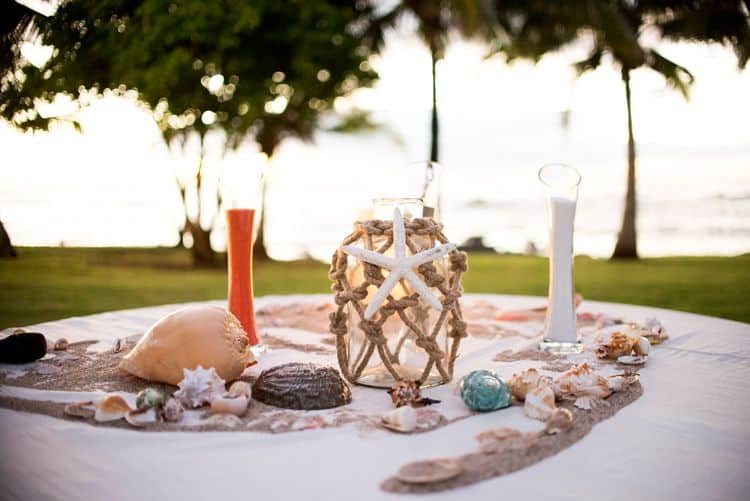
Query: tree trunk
259	246
626	239
434	128
201	251
6	247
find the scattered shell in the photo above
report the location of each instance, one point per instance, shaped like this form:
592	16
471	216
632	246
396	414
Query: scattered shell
428	419
632	360
206	336
483	390
225	420
61	344
240	389
18	330
149	398
302	387
642	346
402	419
141	417
655	331
172	411
560	420
603	321
521	383
429	471
111	408
81	409
588	402
227	405
117	346
581	381
199	387
615	344
621	381
407	392
540	403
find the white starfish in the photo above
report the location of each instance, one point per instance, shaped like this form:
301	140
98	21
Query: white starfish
400	266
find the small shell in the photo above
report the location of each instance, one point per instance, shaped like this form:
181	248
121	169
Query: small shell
521	383
632	360
302	386
402	419
642	346
61	344
588	402
405	392
615	344
199	387
560	420
172	411
240	389
655	331
81	409
621	382
141	417
540	403
581	381
149	398
483	391
226	405
111	408
431	470
223	420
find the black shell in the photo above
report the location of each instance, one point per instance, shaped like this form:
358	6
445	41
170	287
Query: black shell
302	387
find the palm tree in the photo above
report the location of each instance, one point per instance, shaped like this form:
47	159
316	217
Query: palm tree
615	27
436	20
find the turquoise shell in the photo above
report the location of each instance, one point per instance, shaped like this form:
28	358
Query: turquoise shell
484	391
150	398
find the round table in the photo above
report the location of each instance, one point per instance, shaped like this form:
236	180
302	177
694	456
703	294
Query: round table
687	437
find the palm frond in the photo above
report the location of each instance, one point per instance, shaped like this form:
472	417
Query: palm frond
676	76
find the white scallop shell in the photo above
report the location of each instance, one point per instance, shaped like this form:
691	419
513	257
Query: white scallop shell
581	381
402	419
199	387
540	403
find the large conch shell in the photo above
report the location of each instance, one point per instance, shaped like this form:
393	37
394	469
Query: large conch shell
197	335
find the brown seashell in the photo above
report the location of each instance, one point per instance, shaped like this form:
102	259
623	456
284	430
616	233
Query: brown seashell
172	411
540	403
560	420
111	408
407	392
520	384
615	345
61	344
429	471
581	381
197	335
301	386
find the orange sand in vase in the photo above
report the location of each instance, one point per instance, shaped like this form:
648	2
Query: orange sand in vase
240	255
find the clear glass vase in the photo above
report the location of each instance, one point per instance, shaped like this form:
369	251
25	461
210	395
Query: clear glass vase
406	359
561	186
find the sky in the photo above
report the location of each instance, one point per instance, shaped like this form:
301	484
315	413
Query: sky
494	117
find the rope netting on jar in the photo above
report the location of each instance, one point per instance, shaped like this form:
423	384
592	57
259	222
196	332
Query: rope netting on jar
419	230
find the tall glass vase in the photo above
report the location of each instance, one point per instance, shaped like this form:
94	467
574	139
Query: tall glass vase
561	187
240	224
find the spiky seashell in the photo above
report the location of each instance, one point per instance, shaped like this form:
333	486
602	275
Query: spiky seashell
540	403
407	392
521	383
429	471
642	346
141	417
240	389
199	387
302	387
402	419
655	331
149	398
81	409
172	411
615	344
111	408
208	336
230	405
581	381
560	420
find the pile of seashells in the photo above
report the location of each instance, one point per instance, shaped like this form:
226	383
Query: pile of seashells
630	344
198	388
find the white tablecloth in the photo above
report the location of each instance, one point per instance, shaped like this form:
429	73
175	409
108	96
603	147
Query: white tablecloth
687	437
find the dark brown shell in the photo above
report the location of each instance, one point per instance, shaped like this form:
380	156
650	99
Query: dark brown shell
302	387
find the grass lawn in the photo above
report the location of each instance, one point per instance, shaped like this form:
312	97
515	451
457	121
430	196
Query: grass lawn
51	283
